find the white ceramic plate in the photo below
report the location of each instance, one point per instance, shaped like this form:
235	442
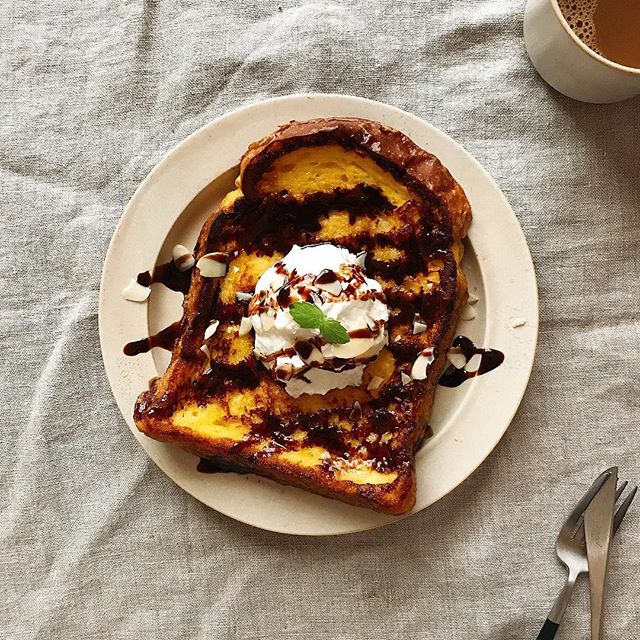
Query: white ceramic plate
170	206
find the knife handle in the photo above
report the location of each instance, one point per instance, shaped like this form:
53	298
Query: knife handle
548	631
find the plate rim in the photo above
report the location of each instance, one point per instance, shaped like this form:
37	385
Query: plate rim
172	154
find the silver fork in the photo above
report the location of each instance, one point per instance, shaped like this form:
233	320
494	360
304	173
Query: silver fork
572	552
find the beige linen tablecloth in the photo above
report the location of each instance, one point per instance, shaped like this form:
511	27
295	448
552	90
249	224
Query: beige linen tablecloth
95	541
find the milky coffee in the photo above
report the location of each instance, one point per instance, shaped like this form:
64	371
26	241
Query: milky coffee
608	27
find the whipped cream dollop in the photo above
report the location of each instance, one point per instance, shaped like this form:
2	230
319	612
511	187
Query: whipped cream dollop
333	279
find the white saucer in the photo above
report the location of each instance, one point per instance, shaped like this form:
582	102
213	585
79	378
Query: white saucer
169	208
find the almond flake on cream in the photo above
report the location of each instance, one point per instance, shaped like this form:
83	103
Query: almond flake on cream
315	357
334	288
284	371
278	282
361	258
267	321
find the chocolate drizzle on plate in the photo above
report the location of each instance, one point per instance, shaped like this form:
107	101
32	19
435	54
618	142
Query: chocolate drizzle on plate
167	274
489	360
165	339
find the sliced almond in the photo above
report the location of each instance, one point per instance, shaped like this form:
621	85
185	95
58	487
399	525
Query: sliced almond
211	329
242	296
205	350
284	371
182	257
267	321
245	326
315	357
372	324
457	358
213	265
356	411
135	292
421	364
419	327
397	338
468	312
334	288
352	349
316	299
404	378
518	322
278	281
361	258
375	383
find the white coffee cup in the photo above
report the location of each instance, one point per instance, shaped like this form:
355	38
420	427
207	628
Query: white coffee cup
568	64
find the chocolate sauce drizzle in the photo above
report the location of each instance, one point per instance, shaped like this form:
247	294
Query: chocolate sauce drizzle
489	360
206	465
303	348
326	276
167	274
364	332
171	277
165	339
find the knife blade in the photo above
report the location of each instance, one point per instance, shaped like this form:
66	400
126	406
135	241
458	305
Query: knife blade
598	529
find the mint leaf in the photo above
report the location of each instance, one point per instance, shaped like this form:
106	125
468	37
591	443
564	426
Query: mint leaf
332	331
307	315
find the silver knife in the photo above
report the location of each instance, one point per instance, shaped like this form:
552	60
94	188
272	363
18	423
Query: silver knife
598	529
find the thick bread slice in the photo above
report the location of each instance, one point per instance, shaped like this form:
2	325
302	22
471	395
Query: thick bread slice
364	186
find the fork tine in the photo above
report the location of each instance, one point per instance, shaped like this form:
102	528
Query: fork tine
571	523
622	511
621	488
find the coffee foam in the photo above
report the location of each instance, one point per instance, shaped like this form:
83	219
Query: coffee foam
579	16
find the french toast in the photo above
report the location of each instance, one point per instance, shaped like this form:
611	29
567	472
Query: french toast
363	187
